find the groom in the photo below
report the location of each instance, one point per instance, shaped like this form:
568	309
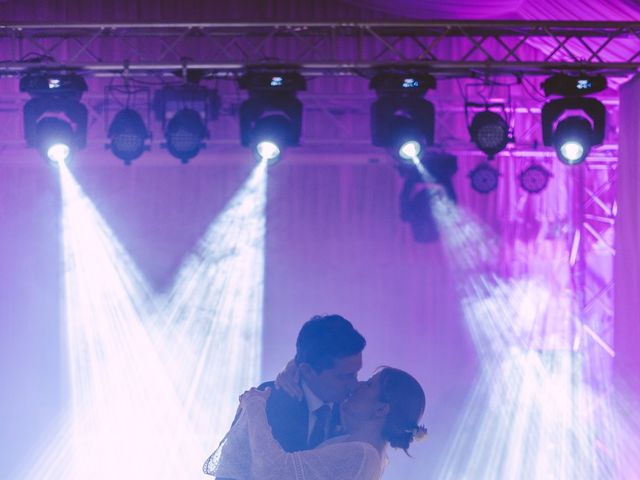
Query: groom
328	357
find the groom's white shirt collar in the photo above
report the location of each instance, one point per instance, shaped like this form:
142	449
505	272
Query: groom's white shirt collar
313	403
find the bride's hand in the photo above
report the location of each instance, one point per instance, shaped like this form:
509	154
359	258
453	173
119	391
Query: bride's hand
289	380
254	393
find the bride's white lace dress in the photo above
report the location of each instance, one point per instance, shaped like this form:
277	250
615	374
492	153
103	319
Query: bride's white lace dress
249	452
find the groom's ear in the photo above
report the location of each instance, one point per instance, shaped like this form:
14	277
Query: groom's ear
306	370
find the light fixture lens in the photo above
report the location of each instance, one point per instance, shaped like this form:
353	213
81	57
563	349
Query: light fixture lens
58	152
270	135
407	140
54	139
410	150
572	140
571	151
267	150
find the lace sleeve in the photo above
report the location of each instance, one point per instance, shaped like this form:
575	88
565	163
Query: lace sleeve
339	461
232	458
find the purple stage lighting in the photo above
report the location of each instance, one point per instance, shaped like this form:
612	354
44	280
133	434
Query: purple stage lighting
534	178
484	178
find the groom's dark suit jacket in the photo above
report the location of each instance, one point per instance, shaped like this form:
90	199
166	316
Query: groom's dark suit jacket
289	419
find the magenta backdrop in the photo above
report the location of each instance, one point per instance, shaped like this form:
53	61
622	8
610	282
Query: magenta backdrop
334	240
334	244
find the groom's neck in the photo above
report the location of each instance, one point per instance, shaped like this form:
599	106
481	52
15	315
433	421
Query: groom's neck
313	391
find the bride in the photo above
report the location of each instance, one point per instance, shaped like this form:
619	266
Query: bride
382	411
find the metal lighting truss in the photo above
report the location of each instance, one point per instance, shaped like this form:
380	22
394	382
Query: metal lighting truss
593	252
592	260
446	48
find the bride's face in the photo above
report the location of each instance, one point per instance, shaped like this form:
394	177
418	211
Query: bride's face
364	403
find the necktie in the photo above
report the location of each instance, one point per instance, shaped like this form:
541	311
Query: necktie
320	427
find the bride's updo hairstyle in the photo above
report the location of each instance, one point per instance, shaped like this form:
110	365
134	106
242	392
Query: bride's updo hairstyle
406	401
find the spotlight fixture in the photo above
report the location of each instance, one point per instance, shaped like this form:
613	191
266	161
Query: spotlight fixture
573	139
534	178
128	134
192	107
55	122
488	129
484	178
418	192
440	168
55	138
415	209
573	136
401	119
185	134
271	118
270	135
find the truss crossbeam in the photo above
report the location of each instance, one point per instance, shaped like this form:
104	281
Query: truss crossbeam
459	49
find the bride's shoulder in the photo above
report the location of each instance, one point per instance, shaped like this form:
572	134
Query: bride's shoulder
372	461
355	446
354	460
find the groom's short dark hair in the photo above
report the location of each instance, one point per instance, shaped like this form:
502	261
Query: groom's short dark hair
326	338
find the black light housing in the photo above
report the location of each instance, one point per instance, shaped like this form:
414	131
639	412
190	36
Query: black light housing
490	132
192	106
185	134
484	178
574	85
271	118
416	195
55	122
401	119
440	166
128	135
415	209
534	178
573	136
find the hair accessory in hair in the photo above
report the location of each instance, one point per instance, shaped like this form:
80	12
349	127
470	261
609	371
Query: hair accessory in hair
419	432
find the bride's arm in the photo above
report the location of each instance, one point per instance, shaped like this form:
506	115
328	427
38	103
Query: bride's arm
271	462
